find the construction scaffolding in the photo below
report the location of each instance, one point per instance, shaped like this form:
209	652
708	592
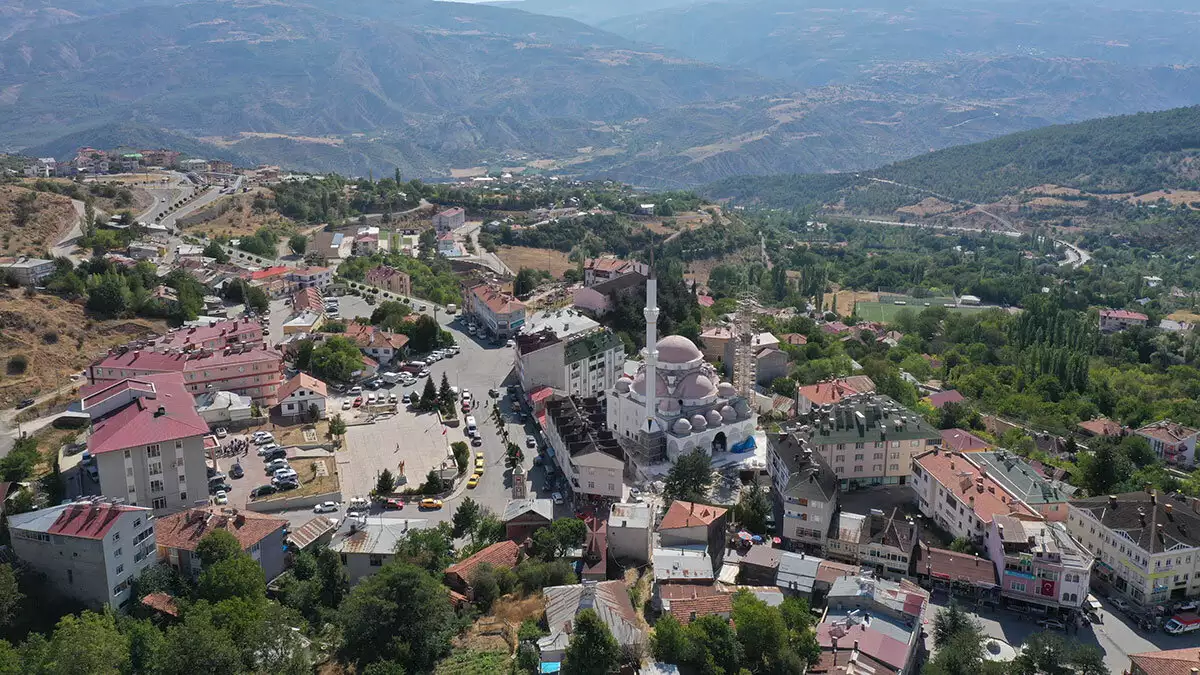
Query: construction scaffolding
744	365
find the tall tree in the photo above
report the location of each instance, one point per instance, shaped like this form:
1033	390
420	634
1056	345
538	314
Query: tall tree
592	649
690	478
216	546
379	619
236	577
950	622
466	517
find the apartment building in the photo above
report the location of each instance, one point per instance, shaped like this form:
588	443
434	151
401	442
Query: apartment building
390	279
501	314
688	525
828	393
868	439
303	394
607	268
311	277
1172	442
1050	497
90	550
584	450
450	219
1112	320
1146	545
962	497
26	271
244	369
872	626
216	335
807	489
570	353
1039	565
260	536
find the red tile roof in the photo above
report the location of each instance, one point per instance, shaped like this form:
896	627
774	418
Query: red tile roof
1102	426
871	642
797	339
607	264
961	440
162	602
233	330
86	520
185	529
950	566
140	422
307	299
369	336
682	591
1123	314
829	571
687	609
1170	662
826	393
302	381
687	514
1167	431
177	362
497	301
957	474
501	554
270	273
850	662
941	398
705	300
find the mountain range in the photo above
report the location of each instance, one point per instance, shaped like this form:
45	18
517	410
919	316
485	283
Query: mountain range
658	93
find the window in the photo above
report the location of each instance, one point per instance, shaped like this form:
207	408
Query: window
155	468
116	537
120	569
895	455
153	450
179	445
894	467
137	522
183	496
591	485
158	503
858	457
129	471
376	560
839	459
1017	586
878	455
156	486
126	454
859	446
858	469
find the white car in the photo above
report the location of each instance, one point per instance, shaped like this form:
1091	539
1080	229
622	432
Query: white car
423	373
325	507
266	449
557	497
347	404
466	396
265	438
222	432
220	498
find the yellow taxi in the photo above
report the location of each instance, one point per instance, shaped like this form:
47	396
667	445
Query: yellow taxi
430	503
473	481
478	465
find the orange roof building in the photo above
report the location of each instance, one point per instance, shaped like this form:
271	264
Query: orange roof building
961	495
833	391
501	554
259	534
1170	662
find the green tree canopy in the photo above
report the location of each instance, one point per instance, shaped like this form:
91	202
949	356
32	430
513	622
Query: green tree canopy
592	649
690	478
400	613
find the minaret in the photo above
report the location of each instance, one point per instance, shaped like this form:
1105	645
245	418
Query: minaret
651	313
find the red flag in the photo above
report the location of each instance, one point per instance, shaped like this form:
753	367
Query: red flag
443	431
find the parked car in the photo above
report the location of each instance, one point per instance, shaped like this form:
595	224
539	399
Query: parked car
355	391
277	453
268	449
1052	623
358	402
214	488
236	471
557	497
392	503
25	403
221	498
325	507
476	441
530	441
222	432
392	398
431	504
1120	605
424	373
286	485
407	399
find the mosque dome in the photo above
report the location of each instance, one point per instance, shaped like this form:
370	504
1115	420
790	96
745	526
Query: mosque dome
699	423
682	426
725	390
639	385
695	386
728	413
714	418
623	384
677	349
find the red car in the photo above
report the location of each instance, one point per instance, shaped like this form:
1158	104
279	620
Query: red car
393	503
466	408
358	402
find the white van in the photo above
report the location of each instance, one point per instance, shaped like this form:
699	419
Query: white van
391	378
417	364
471	425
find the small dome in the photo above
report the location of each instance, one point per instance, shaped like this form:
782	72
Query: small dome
714	418
623	384
677	349
639	385
725	390
728	413
695	386
682	426
743	409
699	423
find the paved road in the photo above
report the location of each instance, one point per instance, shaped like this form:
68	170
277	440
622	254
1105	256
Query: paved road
479	367
470	231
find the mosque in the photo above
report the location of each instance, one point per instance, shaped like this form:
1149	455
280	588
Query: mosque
687	408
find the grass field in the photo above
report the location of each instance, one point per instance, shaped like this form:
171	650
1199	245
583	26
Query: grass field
554	262
885	312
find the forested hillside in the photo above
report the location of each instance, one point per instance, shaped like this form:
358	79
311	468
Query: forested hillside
1131	153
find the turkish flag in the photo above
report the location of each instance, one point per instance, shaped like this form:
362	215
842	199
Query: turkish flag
1048	588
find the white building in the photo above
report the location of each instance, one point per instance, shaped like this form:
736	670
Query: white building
90	550
685	409
1039	564
570	353
300	394
629	531
1146	545
501	314
807	489
371	543
1172	442
148	441
586	453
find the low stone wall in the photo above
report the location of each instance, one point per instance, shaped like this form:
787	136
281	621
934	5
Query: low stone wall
289	503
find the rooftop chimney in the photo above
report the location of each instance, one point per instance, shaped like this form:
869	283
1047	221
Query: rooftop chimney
1169	508
160	412
1112	502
